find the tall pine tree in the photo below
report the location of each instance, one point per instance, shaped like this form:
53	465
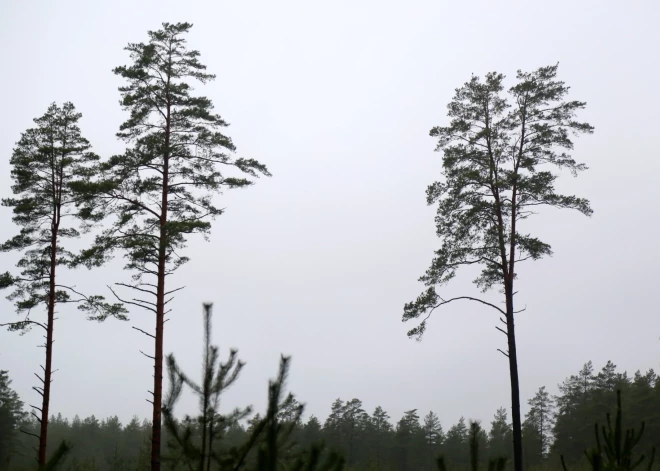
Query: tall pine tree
49	162
160	190
499	157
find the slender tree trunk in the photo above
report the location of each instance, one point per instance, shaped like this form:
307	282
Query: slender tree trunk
158	366
160	309
48	367
510	324
513	373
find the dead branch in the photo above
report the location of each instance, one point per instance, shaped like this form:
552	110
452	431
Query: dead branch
501	330
145	333
148	356
174	290
131	302
503	353
137	300
136	288
30	433
168	300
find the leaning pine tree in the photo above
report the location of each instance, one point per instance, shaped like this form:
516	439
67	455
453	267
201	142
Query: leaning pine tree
498	156
47	163
160	190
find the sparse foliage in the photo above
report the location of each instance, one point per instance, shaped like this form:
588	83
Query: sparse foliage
217	377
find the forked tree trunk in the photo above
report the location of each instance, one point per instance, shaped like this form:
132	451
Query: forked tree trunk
513	374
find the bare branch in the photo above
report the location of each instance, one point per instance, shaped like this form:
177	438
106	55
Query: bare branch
148	356
501	330
503	353
131	302
137	300
136	288
174	290
469	298
29	433
145	333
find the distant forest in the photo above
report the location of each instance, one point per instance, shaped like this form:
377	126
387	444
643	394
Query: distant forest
554	425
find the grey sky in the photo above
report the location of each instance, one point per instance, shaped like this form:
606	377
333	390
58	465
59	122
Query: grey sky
337	98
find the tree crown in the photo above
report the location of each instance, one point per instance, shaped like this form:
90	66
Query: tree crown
49	163
498	160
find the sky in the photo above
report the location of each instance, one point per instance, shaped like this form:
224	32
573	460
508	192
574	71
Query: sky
337	99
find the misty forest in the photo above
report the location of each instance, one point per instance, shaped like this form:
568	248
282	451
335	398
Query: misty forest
506	145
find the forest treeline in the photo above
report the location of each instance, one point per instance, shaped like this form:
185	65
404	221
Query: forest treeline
373	440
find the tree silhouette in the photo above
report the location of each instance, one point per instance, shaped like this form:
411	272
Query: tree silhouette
160	190
47	163
496	155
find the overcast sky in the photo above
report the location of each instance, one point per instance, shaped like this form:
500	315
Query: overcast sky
337	98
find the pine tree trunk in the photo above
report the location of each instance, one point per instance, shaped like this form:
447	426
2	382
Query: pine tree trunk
513	373
160	310
43	431
158	367
48	367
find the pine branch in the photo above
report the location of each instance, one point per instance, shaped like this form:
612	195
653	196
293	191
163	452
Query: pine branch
20	323
145	333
